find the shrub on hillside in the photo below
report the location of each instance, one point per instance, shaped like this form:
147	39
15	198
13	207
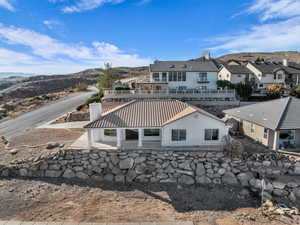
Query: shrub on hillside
81	87
121	88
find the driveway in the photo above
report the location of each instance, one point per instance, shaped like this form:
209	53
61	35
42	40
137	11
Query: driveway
44	114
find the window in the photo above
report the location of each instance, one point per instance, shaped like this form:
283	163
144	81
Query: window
211	134
279	76
151	132
203	76
203	88
164	77
252	127
170	76
156	76
183	76
239	75
265	133
178	135
179	76
110	132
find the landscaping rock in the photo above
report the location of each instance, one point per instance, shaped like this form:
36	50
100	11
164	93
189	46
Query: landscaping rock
229	178
126	164
188	180
52	145
69	174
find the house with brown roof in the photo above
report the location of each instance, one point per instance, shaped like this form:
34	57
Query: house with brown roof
168	123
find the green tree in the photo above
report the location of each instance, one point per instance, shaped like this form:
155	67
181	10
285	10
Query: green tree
296	91
244	90
224	83
107	77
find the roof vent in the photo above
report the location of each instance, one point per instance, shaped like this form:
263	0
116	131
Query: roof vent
172	66
184	66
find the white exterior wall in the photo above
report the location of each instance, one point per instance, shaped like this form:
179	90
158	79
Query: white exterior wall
191	80
195	125
233	78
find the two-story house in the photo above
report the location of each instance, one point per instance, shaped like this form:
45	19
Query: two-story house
236	74
272	73
182	75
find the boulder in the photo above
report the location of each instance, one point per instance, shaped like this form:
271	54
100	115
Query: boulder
203	180
229	178
52	145
69	174
185	179
244	179
200	170
280	192
221	171
82	175
126	164
109	177
278	185
13	151
23	172
297	192
120	178
53	173
297	170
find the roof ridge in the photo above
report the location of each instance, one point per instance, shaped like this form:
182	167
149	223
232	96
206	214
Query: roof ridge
283	112
118	108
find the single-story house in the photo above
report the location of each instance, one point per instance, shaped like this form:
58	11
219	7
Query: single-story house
275	124
167	122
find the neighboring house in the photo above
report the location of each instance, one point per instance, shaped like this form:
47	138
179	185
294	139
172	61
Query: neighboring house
183	75
273	73
166	122
275	124
236	74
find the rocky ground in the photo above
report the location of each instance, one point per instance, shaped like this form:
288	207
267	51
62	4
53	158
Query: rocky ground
13	108
34	144
55	200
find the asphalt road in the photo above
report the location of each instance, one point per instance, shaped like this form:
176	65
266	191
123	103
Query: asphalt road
46	113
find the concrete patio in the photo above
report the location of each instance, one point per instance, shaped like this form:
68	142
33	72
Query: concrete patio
82	143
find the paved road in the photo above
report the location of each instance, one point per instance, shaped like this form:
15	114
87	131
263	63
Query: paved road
43	115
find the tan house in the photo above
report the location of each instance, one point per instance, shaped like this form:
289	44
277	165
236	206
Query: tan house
275	124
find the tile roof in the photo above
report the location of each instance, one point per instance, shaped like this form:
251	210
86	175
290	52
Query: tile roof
146	113
238	69
276	114
188	66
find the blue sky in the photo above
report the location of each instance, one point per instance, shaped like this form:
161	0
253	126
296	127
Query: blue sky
62	36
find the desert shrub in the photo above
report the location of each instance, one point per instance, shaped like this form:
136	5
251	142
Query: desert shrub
232	147
296	91
81	87
244	90
94	98
275	91
121	88
224	84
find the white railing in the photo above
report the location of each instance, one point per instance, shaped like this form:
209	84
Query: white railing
169	92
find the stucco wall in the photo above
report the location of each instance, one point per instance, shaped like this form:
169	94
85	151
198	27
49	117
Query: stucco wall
195	125
233	78
258	135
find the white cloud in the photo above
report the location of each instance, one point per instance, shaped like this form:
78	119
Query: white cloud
7	4
49	55
270	9
51	24
268	37
279	30
85	5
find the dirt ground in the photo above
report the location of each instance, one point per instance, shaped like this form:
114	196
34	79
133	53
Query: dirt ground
33	143
39	200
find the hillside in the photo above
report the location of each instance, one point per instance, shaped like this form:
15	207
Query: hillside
267	56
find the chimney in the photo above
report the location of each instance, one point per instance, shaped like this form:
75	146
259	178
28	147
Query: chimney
207	55
285	62
95	111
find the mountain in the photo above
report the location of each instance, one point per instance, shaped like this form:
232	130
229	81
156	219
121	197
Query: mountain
292	56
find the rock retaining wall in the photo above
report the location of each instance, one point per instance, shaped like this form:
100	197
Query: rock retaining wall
166	167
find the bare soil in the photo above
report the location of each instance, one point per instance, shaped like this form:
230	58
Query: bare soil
33	143
55	200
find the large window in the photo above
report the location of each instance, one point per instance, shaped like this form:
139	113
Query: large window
177	76
156	76
265	133
211	134
178	135
110	132
252	128
203	77
151	132
164	77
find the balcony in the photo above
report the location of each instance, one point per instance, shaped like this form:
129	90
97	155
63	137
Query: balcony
207	97
202	81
